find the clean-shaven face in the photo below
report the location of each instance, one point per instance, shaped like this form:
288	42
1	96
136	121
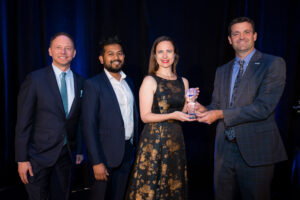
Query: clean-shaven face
242	37
62	51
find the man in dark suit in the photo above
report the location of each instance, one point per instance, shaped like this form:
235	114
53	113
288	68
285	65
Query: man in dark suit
110	123
48	114
246	92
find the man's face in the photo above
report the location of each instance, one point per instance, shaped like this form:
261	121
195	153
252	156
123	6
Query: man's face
112	58
242	37
62	51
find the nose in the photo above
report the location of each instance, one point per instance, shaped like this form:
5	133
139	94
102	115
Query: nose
164	54
242	36
63	50
116	56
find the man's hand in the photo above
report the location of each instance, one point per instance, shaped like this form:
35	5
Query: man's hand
210	117
100	172
23	168
200	108
79	158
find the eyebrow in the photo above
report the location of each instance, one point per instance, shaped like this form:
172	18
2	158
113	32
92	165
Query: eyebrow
110	51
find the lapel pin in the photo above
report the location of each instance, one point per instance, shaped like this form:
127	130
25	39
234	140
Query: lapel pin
257	63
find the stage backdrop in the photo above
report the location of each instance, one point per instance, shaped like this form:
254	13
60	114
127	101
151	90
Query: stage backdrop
200	31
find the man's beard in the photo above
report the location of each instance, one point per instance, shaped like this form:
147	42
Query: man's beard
113	70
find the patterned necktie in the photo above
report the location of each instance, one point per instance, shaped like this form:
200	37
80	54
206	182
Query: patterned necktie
237	82
229	132
64	92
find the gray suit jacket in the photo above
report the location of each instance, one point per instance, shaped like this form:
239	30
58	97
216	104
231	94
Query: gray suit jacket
252	115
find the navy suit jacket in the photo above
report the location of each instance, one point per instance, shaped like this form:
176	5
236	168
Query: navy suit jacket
102	122
252	115
41	122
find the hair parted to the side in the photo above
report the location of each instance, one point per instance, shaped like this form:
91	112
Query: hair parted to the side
241	20
153	66
107	41
64	34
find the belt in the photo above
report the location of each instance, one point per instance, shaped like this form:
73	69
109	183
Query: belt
231	141
234	140
230	135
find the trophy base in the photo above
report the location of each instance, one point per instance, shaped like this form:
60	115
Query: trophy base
192	116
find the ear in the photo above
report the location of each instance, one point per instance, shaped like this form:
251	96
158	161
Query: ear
74	54
49	51
101	59
229	39
255	36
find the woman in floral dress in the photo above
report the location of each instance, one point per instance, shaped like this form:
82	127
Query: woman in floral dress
160	168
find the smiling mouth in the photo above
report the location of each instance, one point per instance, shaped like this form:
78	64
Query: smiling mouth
116	62
243	40
62	57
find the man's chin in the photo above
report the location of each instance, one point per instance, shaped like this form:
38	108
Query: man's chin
62	65
113	70
243	50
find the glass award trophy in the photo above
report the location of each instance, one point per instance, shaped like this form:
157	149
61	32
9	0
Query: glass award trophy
191	96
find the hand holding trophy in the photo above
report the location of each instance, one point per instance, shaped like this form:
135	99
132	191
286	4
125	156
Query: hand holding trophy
192	95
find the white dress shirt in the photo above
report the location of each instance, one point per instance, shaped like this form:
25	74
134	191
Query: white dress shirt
69	81
125	100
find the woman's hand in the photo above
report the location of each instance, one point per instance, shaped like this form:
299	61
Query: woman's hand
181	116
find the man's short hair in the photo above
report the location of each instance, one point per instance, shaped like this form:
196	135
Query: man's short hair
64	34
241	20
107	41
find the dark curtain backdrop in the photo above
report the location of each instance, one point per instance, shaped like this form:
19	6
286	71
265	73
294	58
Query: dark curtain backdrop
200	31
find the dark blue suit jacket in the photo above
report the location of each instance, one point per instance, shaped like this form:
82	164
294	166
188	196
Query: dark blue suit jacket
41	121
102	121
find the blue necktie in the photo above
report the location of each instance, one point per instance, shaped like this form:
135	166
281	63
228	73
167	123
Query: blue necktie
64	96
64	92
229	132
237	82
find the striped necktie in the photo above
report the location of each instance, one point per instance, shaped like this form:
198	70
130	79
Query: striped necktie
237	82
229	132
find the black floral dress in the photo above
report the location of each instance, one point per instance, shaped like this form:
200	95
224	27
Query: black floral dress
160	168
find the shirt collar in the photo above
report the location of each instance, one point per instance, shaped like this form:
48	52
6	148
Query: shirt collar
110	77
247	58
58	72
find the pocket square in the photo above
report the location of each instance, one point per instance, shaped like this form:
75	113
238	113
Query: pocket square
257	63
81	92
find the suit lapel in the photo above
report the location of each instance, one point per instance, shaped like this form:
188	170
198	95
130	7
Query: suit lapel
135	111
112	93
249	73
55	89
227	81
76	94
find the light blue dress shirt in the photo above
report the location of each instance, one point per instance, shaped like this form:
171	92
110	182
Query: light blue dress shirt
69	81
236	68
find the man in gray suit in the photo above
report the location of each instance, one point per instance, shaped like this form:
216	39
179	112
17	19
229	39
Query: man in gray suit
246	92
